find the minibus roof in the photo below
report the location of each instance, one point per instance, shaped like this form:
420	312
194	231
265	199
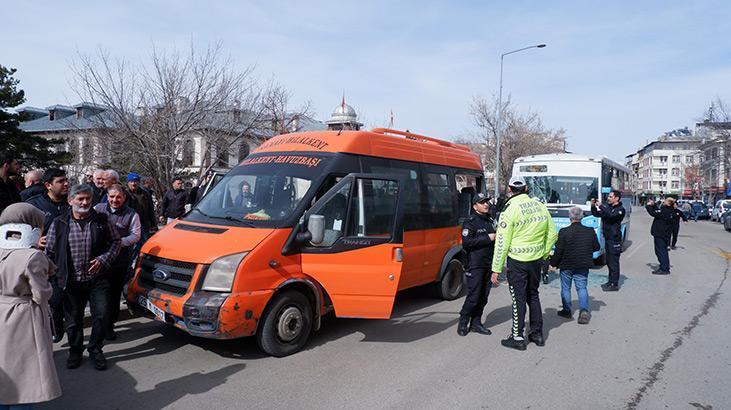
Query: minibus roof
378	142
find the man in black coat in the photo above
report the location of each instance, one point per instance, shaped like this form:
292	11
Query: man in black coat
33	185
574	256
678	214
478	241
83	244
9	193
612	216
53	203
662	228
173	202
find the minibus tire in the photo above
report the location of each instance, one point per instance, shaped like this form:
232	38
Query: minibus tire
450	287
292	306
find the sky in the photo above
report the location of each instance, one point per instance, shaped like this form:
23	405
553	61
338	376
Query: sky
614	75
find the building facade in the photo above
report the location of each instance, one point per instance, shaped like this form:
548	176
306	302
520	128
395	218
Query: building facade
715	166
78	128
666	166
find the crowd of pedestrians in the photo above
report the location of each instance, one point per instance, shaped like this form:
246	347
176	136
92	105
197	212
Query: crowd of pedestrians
64	247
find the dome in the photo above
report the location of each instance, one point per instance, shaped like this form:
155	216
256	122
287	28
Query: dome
343	113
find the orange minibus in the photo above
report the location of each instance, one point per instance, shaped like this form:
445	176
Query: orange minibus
311	223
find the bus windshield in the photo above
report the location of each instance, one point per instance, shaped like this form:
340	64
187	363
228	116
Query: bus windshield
264	188
570	190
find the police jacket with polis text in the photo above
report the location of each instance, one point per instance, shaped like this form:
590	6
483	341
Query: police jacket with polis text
476	241
663	222
612	217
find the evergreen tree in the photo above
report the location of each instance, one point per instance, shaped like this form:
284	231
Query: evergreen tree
32	151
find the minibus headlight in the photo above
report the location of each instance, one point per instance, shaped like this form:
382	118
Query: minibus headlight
220	275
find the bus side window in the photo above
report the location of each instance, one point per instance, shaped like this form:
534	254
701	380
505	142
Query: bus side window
411	179
467	188
335	211
441	202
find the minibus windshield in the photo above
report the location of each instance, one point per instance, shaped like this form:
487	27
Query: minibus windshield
264	188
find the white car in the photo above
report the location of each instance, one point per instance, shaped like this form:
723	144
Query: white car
721	206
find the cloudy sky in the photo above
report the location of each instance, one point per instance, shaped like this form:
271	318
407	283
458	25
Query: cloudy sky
614	74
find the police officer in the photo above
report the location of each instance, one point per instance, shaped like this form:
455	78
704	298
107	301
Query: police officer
612	216
478	236
525	235
678	215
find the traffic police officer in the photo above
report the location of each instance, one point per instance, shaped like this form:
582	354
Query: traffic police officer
612	216
478	236
525	235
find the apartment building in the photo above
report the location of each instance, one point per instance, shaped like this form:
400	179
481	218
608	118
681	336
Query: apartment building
715	166
667	165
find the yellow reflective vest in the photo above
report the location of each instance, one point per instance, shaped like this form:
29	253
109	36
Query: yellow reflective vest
525	232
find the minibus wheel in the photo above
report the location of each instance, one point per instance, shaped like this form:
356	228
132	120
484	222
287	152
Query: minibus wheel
286	324
450	287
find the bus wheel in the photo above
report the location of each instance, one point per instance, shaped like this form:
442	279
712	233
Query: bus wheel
450	287
286	324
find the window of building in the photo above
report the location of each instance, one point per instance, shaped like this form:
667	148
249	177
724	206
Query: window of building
676	172
188	153
675	185
676	159
663	159
663	171
689	159
663	184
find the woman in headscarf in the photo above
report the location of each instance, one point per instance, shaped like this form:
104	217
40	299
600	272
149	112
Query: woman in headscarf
26	350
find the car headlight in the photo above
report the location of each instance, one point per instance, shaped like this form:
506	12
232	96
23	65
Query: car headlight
221	273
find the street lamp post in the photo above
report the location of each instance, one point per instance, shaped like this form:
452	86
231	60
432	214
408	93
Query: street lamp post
500	116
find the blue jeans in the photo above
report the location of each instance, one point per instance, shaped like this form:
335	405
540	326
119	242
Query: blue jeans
580	277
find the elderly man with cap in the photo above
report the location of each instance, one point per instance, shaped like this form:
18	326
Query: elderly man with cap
525	235
478	241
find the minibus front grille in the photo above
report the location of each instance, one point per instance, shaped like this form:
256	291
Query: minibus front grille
166	275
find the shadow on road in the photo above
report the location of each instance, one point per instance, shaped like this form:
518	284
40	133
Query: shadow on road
551	319
405	326
117	389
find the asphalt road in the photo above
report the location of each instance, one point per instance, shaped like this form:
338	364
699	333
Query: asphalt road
660	342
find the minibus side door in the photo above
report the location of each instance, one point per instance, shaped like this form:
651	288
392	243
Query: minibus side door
359	261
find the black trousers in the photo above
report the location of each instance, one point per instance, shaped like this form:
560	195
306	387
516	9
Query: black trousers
96	293
117	278
56	304
674	236
523	281
613	249
478	290
661	251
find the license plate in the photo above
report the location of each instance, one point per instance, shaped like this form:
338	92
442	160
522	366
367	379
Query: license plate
159	313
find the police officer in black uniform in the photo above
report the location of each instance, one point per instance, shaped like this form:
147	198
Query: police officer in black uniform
612	216
478	236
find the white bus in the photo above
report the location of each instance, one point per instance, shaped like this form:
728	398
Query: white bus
565	180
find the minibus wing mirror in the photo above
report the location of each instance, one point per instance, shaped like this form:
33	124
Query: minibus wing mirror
316	228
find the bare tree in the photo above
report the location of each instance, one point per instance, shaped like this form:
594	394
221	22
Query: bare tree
154	110
522	134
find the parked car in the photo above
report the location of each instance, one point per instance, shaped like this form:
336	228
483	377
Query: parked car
721	206
727	220
700	209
